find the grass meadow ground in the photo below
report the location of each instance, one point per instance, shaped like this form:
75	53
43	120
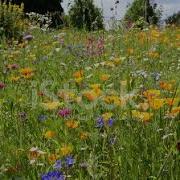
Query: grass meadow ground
100	105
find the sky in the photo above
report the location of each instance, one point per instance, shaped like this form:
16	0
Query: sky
169	7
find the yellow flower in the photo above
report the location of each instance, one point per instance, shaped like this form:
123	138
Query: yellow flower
174	112
109	99
78	74
26	73
96	89
155	33
78	99
143	106
72	124
176	109
95	86
112	100
106	116
84	135
153	54
78	80
130	51
104	77
51	105
35	153
172	101
66	96
165	85
52	158
49	134
151	93
109	64
143	116
117	61
14	78
156	103
66	150
90	95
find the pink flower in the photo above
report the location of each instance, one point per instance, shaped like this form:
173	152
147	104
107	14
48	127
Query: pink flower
2	85
64	112
14	66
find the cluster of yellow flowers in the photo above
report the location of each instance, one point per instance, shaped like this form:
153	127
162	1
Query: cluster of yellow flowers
78	76
51	105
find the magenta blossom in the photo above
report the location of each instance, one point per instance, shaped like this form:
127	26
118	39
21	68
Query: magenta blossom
14	66
2	85
64	112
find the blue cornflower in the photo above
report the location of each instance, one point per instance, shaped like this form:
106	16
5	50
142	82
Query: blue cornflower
58	164
110	122
53	175
69	161
100	122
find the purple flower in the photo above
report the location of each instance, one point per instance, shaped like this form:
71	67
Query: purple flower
58	164
53	175
64	112
100	122
14	66
69	161
110	122
2	85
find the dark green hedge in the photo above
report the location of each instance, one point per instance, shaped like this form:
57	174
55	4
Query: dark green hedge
40	6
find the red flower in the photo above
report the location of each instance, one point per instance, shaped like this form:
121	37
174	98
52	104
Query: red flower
2	85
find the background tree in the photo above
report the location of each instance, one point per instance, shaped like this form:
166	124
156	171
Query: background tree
40	6
143	8
84	14
174	19
53	7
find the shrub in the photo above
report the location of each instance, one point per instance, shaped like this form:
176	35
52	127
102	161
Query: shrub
52	8
143	8
84	14
174	19
12	23
40	6
40	20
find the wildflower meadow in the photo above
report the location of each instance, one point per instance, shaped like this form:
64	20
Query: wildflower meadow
91	105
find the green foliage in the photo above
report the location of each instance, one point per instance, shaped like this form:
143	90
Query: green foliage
143	8
174	19
12	23
84	14
40	6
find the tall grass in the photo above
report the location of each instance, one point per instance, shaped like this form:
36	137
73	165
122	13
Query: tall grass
106	104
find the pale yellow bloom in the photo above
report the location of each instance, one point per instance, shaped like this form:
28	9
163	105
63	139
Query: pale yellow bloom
51	105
